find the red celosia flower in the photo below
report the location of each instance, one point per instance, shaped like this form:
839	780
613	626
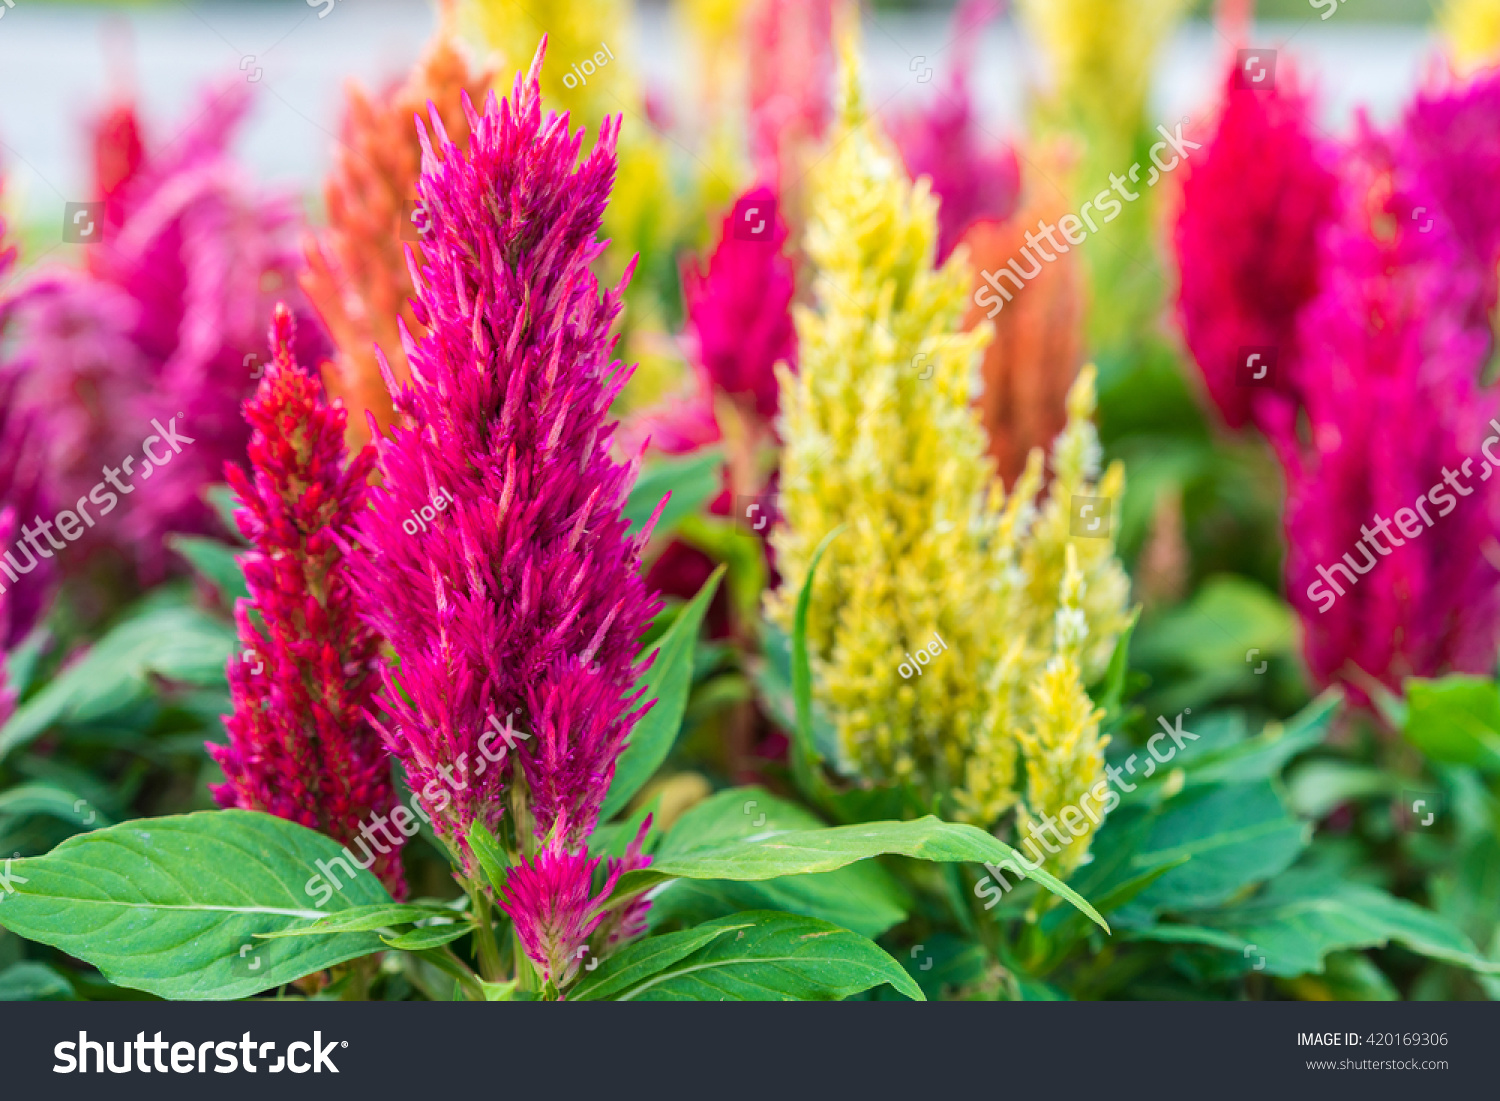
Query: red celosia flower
300	743
791	80
1253	204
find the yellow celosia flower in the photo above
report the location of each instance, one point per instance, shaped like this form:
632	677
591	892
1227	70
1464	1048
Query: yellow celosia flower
1473	30
881	436
1064	753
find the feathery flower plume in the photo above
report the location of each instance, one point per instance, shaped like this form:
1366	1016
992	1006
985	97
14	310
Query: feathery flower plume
168	323
944	143
791	88
525	597
935	557
1254	203
740	309
897	454
300	744
1038	346
1390	340
22	591
356	271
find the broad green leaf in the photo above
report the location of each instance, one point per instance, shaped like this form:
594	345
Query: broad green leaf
28	981
1233	835
178	643
217	562
767	956
1455	720
863	898
805	851
53	801
1318	786
1111	693
1302	916
639	961
667	682
173	905
804	751
692	480
363	919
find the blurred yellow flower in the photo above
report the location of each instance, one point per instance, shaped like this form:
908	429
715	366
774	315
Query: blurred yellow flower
1472	28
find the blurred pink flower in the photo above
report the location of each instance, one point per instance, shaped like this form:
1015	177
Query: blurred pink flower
945	143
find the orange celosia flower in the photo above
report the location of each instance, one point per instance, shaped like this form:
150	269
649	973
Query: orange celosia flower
356	274
1038	345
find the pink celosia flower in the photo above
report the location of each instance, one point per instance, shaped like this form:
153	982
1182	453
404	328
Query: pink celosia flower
791	79
167	322
300	744
944	143
525	595
550	901
1389	381
7	695
740	309
1253	204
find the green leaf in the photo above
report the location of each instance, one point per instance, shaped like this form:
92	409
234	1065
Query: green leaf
1234	835
173	905
863	898
765	956
692	480
639	961
34	982
1455	720
216	561
806	851
178	643
492	859
363	919
1111	694
1228	617
53	801
224	503
1304	915
429	936
804	752
667	682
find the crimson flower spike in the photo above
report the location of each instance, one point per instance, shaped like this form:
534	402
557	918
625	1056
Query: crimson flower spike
301	745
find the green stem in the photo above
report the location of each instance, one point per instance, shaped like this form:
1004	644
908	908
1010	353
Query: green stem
490	966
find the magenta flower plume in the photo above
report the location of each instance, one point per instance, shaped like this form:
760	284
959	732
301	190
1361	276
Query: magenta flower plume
523	595
1391	507
555	911
300	743
25	577
167	322
7	694
791	80
1446	165
1253	205
944	143
740	310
